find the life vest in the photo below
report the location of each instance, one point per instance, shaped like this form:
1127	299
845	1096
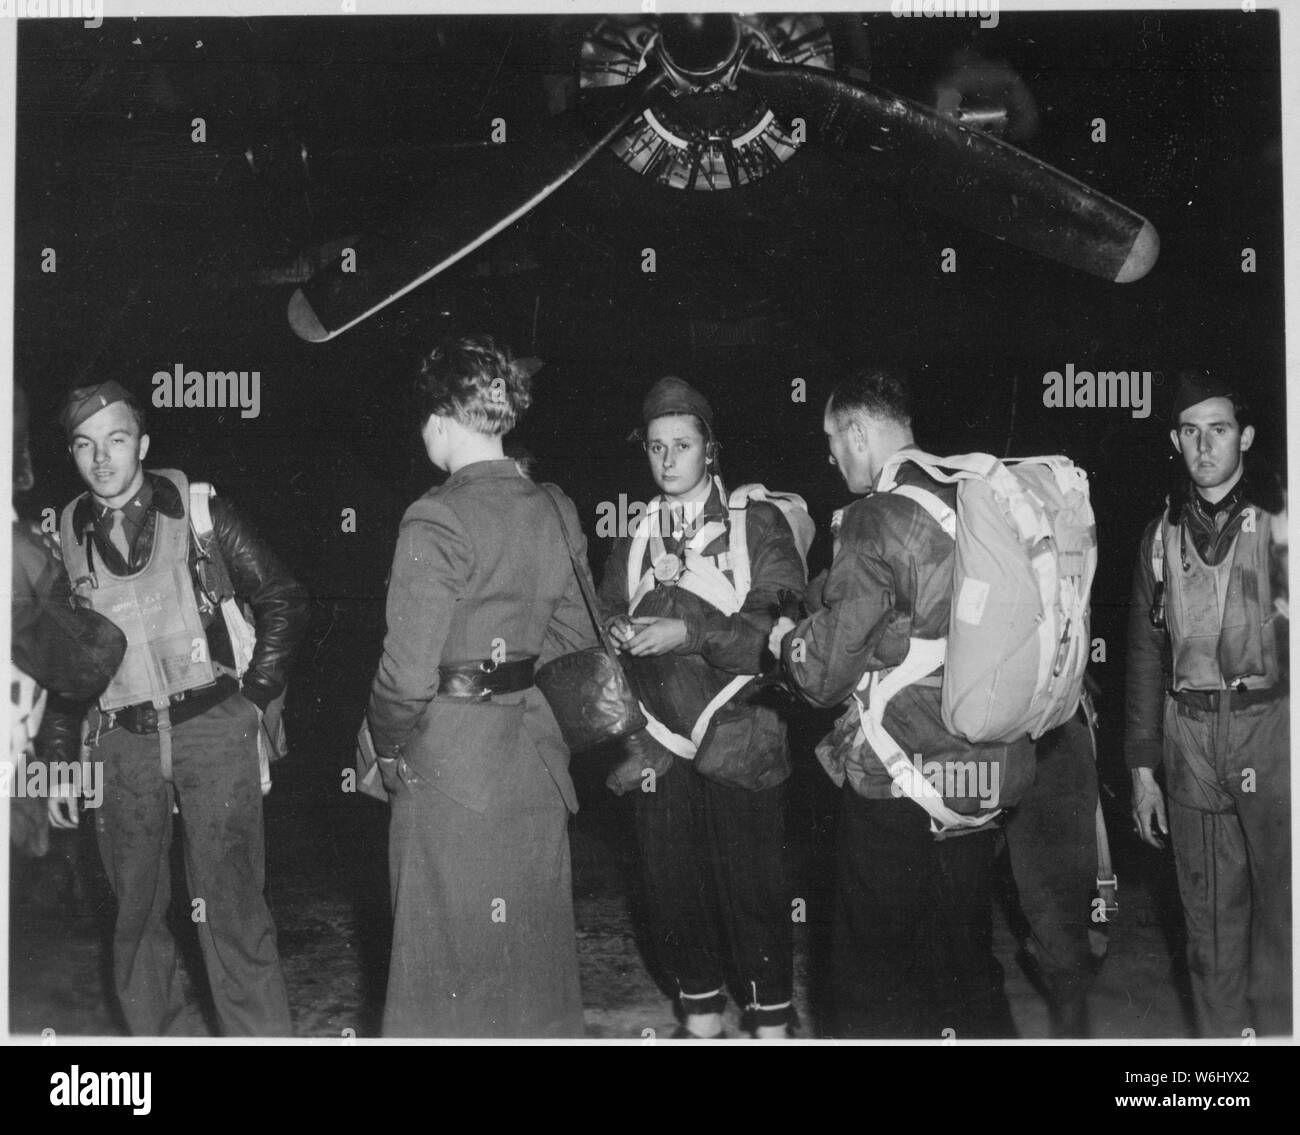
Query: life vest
723	581
1222	619
166	644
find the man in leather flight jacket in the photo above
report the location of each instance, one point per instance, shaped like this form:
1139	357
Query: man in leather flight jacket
176	725
1208	690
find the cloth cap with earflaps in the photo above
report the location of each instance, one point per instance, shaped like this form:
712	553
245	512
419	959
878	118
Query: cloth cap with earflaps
673	395
86	401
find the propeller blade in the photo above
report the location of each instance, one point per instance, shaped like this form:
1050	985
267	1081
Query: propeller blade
962	173
477	200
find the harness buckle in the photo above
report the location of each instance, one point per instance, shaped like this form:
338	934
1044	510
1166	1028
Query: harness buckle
1062	648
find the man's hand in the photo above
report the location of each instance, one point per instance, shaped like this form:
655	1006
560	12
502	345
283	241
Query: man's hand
1149	806
782	628
655	635
63	810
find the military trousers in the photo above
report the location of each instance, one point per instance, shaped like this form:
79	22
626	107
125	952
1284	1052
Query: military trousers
1052	847
217	786
1228	780
912	938
714	861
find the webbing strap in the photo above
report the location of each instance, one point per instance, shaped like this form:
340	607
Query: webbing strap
687	747
673	742
924	656
165	741
1158	552
243	637
945	517
200	514
1107	880
699	575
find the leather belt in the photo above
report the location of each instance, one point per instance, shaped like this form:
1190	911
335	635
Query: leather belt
143	718
1208	700
483	679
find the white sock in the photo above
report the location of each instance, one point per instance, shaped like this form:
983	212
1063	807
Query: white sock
770	1032
704	1025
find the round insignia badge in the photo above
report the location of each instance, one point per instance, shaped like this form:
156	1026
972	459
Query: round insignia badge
667	568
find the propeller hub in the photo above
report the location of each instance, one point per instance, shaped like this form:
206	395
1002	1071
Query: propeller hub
705	132
701	47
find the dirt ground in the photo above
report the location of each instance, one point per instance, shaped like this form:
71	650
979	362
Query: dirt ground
328	889
331	911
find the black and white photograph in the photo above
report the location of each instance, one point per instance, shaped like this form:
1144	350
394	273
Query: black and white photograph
648	525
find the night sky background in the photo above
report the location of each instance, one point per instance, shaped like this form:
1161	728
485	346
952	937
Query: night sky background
173	252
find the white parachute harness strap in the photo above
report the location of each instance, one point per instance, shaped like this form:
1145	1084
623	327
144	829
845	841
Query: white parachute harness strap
700	575
243	636
924	657
1158	551
702	578
164	715
687	747
1107	879
673	742
945	517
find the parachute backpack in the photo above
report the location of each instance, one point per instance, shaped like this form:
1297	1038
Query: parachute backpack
791	506
1026	553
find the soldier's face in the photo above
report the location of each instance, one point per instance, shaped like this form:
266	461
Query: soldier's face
109	451
1211	443
678	455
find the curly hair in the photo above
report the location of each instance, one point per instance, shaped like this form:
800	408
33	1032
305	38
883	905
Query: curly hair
475	382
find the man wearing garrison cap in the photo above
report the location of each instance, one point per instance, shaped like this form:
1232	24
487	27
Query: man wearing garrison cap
178	724
1208	696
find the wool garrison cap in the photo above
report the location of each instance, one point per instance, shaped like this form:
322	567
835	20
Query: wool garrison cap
84	401
1196	386
673	396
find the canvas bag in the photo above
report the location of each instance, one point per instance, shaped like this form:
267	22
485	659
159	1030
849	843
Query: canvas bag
1026	553
587	690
